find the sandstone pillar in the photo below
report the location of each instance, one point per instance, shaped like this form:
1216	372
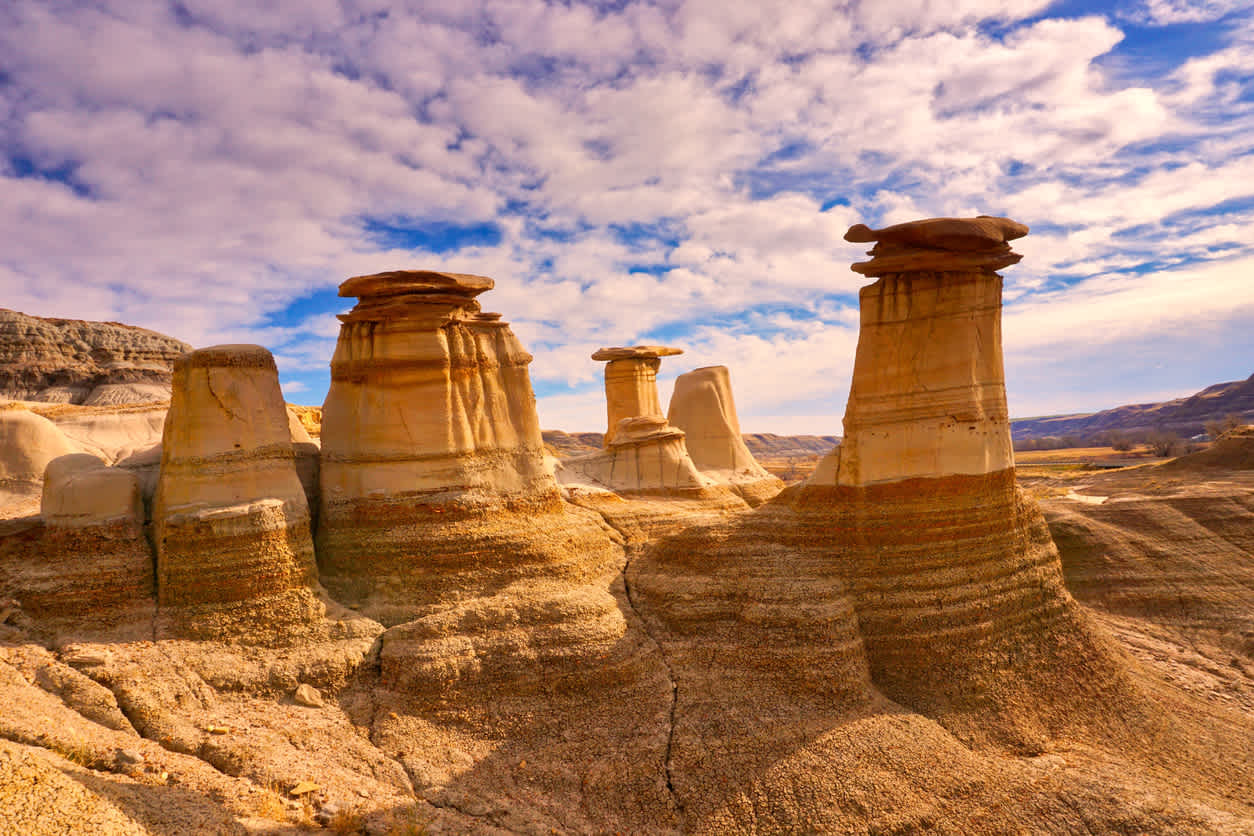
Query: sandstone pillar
928	396
631	383
434	487
230	518
703	407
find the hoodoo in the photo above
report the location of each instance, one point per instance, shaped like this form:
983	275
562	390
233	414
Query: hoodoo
643	453
929	393
230	519
631	383
950	565
703	407
433	481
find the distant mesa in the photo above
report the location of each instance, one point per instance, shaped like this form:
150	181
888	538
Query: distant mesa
79	362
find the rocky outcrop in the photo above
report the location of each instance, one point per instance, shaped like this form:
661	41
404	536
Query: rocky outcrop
27	443
230	518
440	519
631	383
434	486
912	568
643	483
643	453
702	407
74	361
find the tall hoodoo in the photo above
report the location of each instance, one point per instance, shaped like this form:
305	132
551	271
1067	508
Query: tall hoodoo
430	445
950	565
929	395
428	394
703	407
230	519
631	383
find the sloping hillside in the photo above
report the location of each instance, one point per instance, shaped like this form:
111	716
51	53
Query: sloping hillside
1186	416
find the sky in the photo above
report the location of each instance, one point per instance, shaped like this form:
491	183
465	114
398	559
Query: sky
641	172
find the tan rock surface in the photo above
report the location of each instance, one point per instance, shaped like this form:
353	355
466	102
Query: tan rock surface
230	518
27	443
703	407
631	383
928	397
69	360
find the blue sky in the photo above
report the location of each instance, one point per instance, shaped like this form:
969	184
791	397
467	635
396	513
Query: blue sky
677	172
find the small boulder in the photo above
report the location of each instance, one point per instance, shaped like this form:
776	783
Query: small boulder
307	695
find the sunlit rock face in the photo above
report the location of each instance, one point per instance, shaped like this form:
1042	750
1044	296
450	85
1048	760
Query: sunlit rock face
643	453
28	442
928	396
434	486
702	406
921	562
644	482
631	383
92	567
230	518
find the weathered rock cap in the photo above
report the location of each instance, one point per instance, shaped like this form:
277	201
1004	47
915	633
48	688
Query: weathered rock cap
938	244
636	352
403	282
242	356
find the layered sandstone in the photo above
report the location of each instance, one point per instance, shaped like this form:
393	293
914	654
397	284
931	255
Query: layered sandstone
75	361
643	483
230	518
702	406
631	383
94	575
928	396
434	487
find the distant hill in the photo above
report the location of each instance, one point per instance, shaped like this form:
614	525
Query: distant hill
1185	416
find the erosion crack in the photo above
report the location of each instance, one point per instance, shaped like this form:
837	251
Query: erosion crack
629	554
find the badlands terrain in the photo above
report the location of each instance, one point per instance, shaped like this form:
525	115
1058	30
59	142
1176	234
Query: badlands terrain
411	611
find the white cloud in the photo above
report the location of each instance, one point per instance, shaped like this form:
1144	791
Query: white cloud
222	163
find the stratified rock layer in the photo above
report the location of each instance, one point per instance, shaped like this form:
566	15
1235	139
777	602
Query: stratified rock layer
230	520
631	383
433	481
703	407
75	361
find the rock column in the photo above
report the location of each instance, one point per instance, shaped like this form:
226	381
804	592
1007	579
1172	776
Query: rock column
956	583
230	518
433	481
703	407
631	383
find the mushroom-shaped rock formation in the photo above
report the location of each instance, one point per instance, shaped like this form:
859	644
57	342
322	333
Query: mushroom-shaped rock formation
439	518
631	383
90	571
912	567
703	407
434	487
951	567
230	520
645	460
